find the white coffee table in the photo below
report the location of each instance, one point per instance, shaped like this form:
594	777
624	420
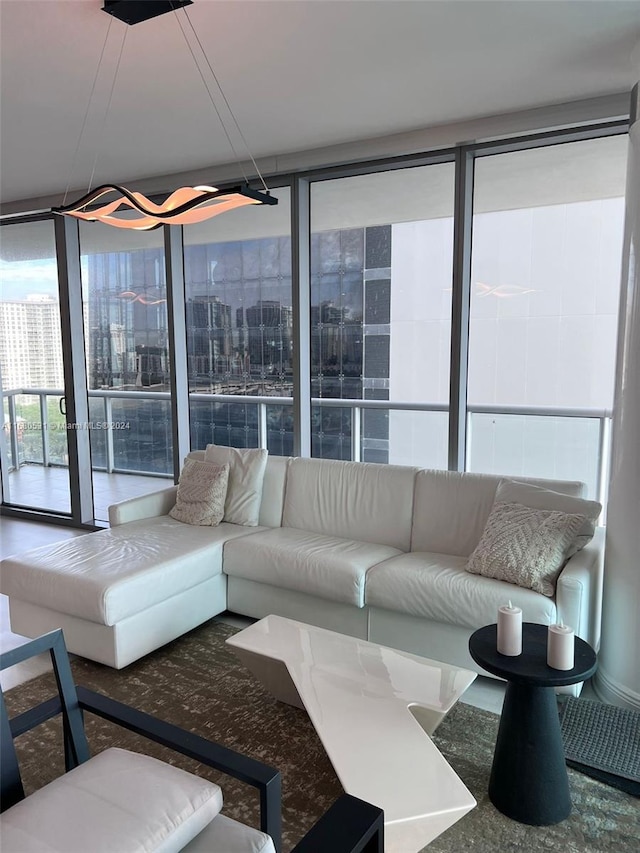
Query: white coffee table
373	709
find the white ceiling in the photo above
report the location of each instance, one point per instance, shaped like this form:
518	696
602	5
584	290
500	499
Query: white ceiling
298	75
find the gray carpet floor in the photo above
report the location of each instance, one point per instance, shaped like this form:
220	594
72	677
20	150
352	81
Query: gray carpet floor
196	682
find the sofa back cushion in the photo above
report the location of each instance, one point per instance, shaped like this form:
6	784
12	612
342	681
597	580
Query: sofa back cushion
246	476
451	509
353	500
272	488
275	477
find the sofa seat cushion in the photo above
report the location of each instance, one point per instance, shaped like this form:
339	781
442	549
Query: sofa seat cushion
437	587
118	800
326	566
107	576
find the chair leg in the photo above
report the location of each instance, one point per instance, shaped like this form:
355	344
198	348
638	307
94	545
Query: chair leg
11	790
270	811
349	826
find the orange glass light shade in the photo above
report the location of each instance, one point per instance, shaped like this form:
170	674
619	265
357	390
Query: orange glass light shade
184	206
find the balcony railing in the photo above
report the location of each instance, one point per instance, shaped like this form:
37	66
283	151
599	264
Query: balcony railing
530	441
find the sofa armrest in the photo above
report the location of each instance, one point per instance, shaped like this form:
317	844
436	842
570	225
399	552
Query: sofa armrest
579	590
145	506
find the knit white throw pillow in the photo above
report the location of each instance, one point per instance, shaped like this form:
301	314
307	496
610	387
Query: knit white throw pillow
527	494
202	490
525	546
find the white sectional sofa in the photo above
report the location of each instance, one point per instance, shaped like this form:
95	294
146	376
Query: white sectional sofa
374	551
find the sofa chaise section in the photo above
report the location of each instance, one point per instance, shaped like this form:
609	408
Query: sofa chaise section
122	592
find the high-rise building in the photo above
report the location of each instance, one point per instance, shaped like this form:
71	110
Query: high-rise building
210	344
127	319
269	339
30	350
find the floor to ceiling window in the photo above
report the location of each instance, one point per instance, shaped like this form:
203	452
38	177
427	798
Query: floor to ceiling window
547	247
34	437
239	324
128	365
544	239
381	270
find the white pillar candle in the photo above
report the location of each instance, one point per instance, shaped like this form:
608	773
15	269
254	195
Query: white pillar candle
560	646
509	630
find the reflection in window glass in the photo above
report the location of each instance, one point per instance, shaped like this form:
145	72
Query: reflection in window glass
127	352
381	266
240	326
547	237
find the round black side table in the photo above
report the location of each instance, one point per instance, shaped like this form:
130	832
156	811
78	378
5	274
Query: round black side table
529	781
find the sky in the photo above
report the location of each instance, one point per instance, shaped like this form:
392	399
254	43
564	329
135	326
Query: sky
19	279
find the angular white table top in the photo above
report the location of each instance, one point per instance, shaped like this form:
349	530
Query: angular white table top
364	701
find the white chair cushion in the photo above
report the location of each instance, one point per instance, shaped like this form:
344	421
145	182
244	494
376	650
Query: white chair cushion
117	801
451	509
246	475
437	587
353	500
112	574
225	835
325	566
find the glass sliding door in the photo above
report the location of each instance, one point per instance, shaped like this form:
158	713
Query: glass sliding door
128	367
381	271
34	435
547	239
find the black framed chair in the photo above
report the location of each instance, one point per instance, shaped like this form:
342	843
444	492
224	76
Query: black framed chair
123	801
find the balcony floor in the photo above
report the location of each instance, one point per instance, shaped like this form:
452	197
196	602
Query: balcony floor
37	487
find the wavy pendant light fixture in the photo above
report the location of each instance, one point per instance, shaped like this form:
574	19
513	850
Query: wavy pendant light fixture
115	205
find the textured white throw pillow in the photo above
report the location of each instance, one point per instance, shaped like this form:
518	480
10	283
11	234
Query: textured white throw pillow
525	546
536	497
202	490
246	476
